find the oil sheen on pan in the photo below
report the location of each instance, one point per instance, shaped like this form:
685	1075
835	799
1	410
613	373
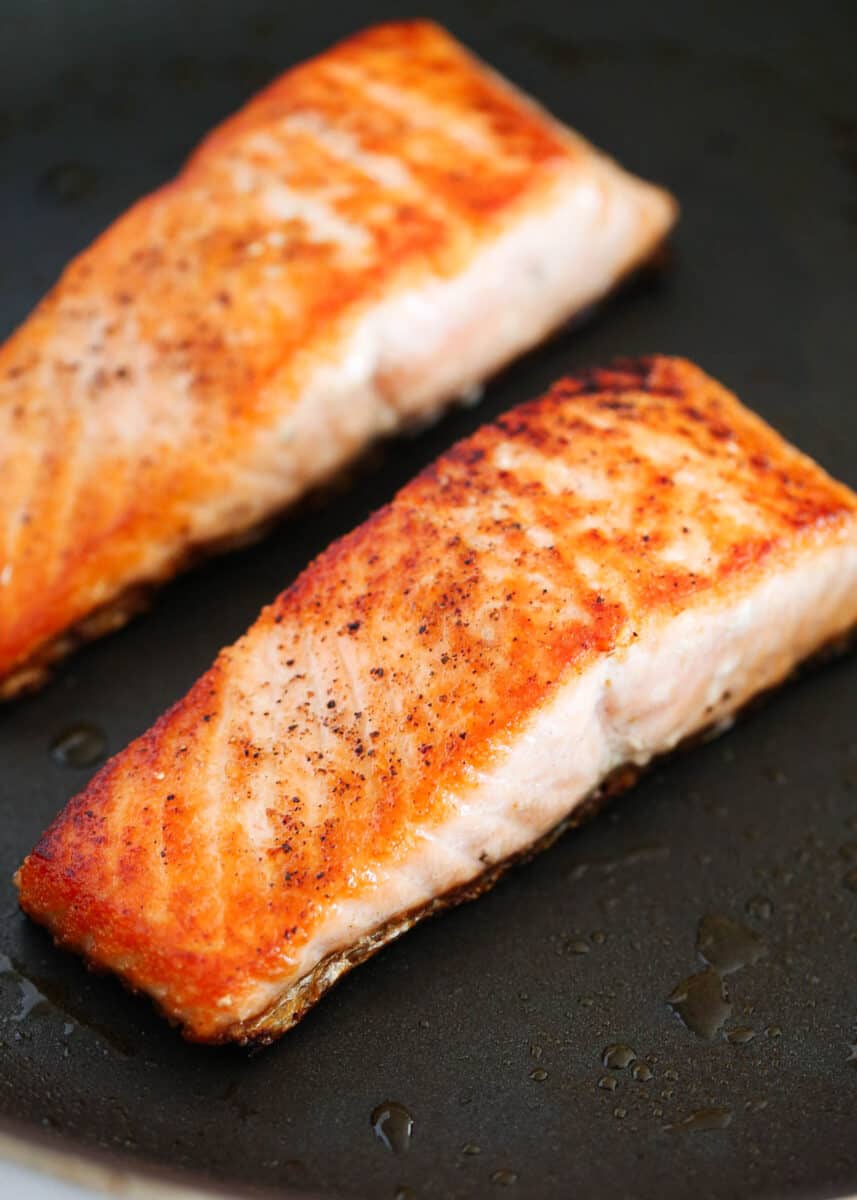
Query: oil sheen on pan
369	238
593	579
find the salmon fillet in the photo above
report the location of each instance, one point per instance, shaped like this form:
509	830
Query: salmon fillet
368	239
575	589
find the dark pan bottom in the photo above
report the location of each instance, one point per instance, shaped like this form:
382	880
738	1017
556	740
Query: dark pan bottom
749	113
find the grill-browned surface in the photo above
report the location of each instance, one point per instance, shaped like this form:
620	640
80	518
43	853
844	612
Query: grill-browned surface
382	734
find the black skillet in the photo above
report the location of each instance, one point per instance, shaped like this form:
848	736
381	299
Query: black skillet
488	1024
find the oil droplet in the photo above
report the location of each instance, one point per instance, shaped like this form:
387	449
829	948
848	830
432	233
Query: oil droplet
599	937
774	1031
69	182
539	1074
80	745
740	1035
759	907
617	1056
403	1192
393	1126
702	1003
30	999
727	945
577	946
640	854
29	996
642	1072
850	880
620	1113
704	1119
38	993
471	1148
504	1177
609	1083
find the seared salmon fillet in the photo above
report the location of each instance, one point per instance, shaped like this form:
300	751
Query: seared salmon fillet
575	589
368	239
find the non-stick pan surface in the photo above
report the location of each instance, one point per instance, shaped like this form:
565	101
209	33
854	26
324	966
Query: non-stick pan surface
489	1024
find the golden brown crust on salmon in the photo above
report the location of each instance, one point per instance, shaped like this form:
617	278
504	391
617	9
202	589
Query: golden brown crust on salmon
243	331
621	563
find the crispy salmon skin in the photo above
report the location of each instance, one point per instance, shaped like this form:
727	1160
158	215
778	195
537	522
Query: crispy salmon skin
575	589
369	238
